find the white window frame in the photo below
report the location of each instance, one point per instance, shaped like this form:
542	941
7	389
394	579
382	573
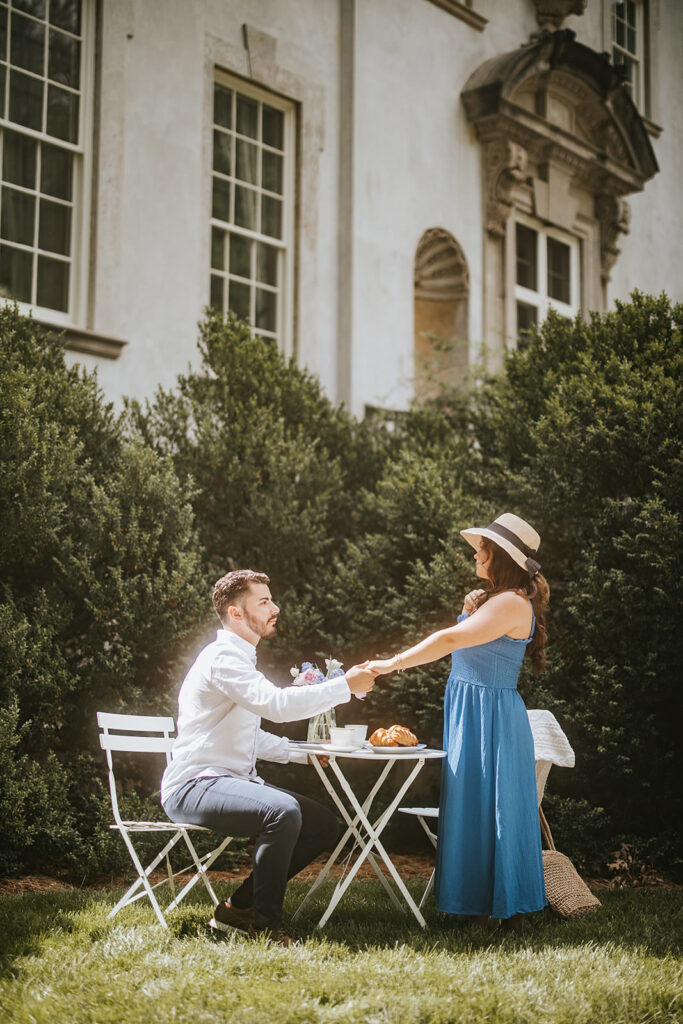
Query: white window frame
284	331
637	58
540	298
76	314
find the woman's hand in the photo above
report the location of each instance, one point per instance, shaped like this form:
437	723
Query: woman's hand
380	668
470	602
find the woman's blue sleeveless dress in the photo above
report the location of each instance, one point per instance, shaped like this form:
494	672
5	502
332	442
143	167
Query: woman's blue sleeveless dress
488	857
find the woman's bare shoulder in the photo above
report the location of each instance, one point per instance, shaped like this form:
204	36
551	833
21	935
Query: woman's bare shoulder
509	599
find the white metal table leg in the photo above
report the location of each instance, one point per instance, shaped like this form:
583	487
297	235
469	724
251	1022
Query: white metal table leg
374	842
351	830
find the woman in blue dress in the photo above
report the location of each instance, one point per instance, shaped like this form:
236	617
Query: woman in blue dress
488	861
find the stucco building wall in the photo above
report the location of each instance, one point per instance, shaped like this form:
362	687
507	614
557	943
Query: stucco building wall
384	152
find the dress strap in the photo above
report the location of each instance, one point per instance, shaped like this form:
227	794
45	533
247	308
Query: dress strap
533	621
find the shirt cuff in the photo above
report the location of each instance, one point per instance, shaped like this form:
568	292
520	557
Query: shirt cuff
339	689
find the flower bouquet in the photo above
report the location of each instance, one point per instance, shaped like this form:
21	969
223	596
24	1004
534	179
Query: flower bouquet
308	675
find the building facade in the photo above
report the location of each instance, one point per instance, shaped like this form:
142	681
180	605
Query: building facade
390	190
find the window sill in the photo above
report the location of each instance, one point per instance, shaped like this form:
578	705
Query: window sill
81	340
464	13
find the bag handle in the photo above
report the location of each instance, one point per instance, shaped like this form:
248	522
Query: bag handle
545	829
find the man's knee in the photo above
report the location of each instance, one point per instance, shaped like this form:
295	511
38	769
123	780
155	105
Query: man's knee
285	816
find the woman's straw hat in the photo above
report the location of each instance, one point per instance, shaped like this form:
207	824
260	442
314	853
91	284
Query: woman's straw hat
513	535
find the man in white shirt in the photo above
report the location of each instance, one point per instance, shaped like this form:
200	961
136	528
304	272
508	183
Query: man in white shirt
212	779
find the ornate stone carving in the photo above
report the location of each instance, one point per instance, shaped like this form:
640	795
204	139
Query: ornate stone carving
614	215
551	13
506	166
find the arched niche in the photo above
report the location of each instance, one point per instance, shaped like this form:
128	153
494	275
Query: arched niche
442	289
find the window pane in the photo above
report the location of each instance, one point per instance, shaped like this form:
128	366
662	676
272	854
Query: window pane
64	60
222	106
15	273
266	263
238	299
247	117
240	256
217	292
56	171
25	100
266	309
272	172
54	227
245	207
19	159
53	284
527	316
526	242
35	7
620	34
221	152
3	33
271	217
246	162
221	199
18	216
27	45
273	127
217	249
631	40
66	14
558	271
62	114
3	75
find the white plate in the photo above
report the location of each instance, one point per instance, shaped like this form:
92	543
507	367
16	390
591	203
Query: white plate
395	750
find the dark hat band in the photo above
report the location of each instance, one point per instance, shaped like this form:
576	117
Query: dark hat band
502	531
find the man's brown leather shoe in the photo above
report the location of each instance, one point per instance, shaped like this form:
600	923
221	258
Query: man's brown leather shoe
226	918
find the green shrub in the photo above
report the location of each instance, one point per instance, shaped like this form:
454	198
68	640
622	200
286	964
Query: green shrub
100	577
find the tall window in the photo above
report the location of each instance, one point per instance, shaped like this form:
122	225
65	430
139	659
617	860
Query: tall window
547	274
628	46
252	205
45	54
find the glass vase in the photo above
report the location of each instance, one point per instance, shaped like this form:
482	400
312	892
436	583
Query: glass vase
319	726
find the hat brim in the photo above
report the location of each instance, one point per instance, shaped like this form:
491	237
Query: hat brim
472	535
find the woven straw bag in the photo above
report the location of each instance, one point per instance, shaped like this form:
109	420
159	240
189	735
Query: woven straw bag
567	893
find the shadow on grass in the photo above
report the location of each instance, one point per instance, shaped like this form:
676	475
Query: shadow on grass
650	920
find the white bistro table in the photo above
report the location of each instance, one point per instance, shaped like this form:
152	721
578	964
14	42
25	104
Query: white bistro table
366	832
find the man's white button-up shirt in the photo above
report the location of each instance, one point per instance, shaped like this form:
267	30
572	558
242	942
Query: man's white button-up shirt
220	706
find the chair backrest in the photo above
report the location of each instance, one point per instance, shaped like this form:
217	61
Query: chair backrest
127	736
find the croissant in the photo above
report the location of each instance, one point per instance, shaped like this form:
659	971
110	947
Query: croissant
381	738
404	737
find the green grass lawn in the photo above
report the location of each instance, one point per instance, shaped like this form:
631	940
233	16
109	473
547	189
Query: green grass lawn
61	960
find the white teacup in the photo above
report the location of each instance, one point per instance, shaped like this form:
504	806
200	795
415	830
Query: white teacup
359	731
343	737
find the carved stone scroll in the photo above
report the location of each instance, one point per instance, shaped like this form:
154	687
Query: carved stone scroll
614	215
505	167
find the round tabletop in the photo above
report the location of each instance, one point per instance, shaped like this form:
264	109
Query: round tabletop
367	754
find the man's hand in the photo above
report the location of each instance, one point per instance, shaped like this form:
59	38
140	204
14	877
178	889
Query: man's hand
322	759
470	601
360	678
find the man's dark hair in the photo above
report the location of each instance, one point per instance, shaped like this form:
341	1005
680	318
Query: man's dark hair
230	587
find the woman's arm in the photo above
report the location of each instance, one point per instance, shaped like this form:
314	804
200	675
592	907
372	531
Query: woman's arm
500	615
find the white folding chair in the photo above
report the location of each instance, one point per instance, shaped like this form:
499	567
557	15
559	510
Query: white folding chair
127	736
551	746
